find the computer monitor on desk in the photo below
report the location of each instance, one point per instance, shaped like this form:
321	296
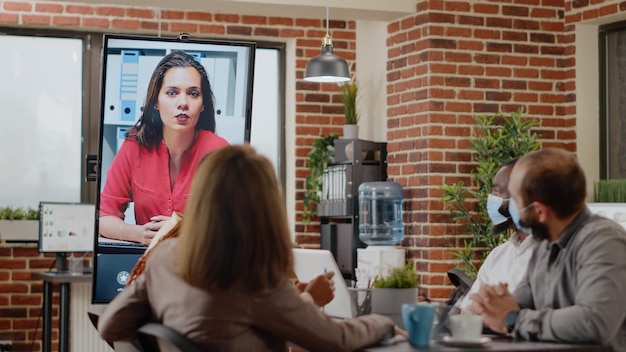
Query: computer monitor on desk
65	228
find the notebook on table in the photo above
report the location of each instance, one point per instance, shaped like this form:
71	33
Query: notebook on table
308	263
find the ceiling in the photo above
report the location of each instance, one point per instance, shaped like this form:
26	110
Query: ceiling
373	10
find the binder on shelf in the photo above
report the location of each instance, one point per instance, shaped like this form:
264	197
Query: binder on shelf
334	197
356	161
128	84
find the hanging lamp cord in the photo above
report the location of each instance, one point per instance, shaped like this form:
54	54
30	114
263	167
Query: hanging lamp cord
326	17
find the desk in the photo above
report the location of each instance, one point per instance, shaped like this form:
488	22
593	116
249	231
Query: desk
500	344
63	279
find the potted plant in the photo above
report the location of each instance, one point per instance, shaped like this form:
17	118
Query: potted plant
494	141
349	91
322	153
609	200
19	224
392	289
610	191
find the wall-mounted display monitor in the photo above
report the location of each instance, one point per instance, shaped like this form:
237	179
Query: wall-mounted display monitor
165	103
65	228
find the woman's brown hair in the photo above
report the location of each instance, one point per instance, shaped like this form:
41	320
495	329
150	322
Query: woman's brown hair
235	232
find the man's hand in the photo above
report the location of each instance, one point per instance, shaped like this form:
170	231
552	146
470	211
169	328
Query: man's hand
472	307
321	288
494	302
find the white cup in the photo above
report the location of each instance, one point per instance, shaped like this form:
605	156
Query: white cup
465	326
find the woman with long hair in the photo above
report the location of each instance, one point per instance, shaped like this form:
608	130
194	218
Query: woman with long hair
224	282
155	164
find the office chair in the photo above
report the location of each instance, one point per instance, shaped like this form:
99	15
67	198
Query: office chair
118	346
462	284
155	337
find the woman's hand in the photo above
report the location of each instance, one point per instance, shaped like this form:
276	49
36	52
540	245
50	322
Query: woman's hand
322	288
398	331
151	228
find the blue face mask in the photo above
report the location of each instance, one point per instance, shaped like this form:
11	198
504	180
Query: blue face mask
515	215
494	203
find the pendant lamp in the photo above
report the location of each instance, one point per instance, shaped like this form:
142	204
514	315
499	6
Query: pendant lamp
327	67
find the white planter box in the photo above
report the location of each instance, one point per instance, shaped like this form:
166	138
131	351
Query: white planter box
19	230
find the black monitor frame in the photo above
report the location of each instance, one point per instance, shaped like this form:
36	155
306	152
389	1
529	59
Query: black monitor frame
158	47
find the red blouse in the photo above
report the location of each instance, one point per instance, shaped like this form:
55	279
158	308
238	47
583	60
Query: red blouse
141	176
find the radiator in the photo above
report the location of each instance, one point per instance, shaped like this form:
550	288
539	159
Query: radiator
83	335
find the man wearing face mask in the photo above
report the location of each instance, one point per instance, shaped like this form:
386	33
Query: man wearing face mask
507	262
574	288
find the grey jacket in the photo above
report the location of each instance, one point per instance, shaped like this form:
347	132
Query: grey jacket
575	288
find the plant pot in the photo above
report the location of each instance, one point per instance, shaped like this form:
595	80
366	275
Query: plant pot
19	230
350	131
388	301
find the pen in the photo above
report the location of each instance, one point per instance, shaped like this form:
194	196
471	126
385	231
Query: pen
324	275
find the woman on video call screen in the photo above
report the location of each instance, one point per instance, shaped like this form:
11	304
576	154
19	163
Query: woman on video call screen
155	164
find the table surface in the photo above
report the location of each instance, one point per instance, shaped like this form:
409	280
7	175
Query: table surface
496	344
60	277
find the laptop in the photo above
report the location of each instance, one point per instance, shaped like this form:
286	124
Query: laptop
111	246
308	263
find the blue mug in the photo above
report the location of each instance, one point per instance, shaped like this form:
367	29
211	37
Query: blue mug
418	321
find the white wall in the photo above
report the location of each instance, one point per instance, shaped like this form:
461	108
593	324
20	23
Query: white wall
371	73
345	9
587	104
290	132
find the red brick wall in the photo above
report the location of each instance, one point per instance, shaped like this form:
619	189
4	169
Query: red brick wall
21	296
457	59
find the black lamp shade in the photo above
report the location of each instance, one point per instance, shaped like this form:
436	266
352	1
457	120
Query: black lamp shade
327	67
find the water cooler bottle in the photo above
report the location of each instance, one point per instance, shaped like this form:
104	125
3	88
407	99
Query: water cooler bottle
381	228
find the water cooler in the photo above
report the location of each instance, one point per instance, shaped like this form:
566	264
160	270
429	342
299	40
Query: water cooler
380	228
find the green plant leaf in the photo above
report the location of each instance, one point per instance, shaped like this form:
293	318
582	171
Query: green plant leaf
610	191
398	277
349	93
494	141
320	155
20	213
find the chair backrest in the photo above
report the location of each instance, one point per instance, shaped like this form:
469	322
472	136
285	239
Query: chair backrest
118	346
158	337
462	284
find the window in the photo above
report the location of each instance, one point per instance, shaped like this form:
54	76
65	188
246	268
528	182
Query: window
50	113
41	117
613	101
267	122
